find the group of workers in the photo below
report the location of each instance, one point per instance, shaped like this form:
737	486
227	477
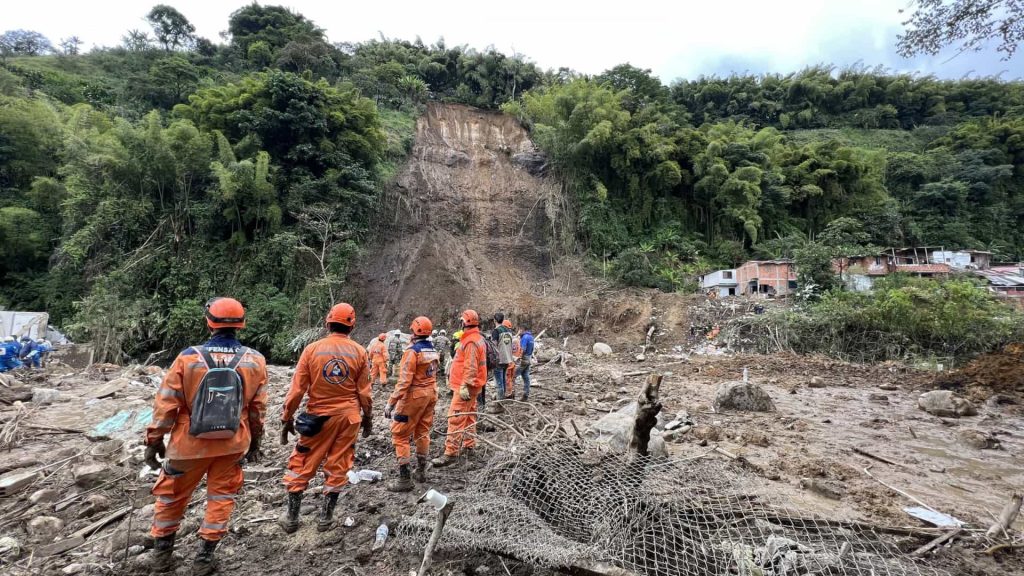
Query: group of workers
27	352
213	404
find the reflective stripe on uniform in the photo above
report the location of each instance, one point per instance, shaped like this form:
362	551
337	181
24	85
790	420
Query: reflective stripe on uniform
220	496
214	526
167	523
170	392
292	474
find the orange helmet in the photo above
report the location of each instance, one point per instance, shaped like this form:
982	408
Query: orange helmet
470	318
342	314
421	326
225	313
507	323
382	337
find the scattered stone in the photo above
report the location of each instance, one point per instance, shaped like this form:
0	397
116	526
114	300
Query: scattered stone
879	398
94	504
609	397
996	400
977	439
706	433
888	387
756	438
75	568
90	475
826	488
617	379
580	409
816	382
745	396
623	390
14	482
945	403
258	473
44	396
10	546
601	349
45	527
136	550
44	496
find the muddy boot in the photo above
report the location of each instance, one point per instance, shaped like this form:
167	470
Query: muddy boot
326	519
289	521
205	562
404	481
444	460
163	554
420	475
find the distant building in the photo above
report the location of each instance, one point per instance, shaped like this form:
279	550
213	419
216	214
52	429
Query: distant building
766	278
1005	281
963	259
720	283
859	272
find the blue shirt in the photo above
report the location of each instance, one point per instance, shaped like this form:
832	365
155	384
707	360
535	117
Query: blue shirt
526	343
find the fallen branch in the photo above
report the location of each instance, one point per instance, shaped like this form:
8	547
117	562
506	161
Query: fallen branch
1006	517
999	547
648	407
867	454
948	536
54	428
428	552
57	506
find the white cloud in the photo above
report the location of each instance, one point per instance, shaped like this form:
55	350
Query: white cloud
684	38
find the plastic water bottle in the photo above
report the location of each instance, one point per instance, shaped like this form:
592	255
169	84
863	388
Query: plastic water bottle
370	475
382	537
353	477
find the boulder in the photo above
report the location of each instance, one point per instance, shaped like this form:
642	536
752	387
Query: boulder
44	396
601	349
745	396
707	433
816	382
946	404
45	527
977	439
90	474
613	430
44	496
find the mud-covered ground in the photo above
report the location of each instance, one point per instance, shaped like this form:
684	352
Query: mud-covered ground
820	434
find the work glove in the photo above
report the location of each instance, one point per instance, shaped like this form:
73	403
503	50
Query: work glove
287	427
389	410
152	451
367	425
464	393
253	455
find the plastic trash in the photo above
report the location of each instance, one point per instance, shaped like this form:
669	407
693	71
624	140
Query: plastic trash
435	499
147	472
349	522
355	477
382	537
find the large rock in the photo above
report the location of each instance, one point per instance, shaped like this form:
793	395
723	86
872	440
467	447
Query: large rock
44	396
977	439
602	349
91	475
745	396
44	496
946	404
45	527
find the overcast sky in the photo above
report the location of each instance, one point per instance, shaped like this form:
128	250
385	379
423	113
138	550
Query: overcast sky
674	38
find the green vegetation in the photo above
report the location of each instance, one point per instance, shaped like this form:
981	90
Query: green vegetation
901	318
138	180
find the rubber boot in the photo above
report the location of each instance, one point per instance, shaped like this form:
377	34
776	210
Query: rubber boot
163	554
420	475
289	521
326	519
205	562
444	460
404	481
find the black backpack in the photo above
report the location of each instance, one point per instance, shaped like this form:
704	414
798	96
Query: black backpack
492	354
217	405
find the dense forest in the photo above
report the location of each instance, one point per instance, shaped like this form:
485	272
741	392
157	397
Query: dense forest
134	179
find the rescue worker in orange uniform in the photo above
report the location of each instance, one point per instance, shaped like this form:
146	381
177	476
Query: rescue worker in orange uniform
189	458
335	373
467	379
378	360
411	405
510	372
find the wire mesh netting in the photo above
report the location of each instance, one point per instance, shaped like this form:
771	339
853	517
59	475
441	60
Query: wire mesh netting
559	504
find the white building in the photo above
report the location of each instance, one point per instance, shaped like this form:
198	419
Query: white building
721	282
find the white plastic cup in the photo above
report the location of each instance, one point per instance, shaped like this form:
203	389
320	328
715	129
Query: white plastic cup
435	499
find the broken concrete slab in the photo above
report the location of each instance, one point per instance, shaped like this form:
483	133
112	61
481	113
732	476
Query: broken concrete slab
745	396
91	474
945	404
109	389
59	547
14	482
45	396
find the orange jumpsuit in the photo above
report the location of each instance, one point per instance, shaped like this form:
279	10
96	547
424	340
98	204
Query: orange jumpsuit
335	373
414	398
510	372
378	362
190	458
469	367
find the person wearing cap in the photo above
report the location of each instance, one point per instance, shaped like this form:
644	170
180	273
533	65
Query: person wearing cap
190	458
411	405
468	377
334	372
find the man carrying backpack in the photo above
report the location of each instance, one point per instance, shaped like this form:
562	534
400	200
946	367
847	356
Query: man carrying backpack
502	338
411	405
335	373
212	401
469	374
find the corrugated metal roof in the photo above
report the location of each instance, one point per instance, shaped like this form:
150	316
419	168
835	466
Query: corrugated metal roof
1000	279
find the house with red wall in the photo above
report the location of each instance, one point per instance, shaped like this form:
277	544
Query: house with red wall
766	278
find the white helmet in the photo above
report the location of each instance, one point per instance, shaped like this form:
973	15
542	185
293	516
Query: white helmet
8	338
443	333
